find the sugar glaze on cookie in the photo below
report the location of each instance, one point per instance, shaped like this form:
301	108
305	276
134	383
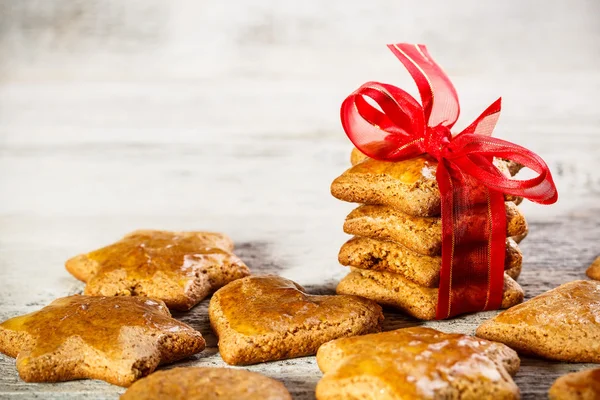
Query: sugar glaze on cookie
116	339
416	363
180	268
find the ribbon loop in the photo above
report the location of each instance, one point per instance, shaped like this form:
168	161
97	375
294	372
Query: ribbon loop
386	123
432	83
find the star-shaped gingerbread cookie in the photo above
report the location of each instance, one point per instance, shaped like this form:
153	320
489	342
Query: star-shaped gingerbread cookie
179	268
416	363
560	324
115	339
266	318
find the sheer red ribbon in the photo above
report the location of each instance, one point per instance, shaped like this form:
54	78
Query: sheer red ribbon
386	123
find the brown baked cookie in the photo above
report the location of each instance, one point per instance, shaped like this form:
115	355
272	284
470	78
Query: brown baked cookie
395	291
409	185
593	270
582	385
381	255
115	339
206	384
357	157
561	324
420	234
507	167
265	318
514	272
179	268
519	238
416	363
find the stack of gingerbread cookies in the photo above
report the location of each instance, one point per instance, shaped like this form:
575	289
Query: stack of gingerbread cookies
395	254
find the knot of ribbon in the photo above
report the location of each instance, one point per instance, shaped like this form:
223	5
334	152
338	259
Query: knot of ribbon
386	123
437	139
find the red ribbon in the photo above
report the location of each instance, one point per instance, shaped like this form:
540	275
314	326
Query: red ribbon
471	187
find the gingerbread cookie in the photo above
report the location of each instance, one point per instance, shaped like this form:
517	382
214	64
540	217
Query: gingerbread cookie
180	268
265	318
561	324
514	272
519	238
593	270
207	384
396	291
115	339
416	363
380	255
409	185
420	234
582	385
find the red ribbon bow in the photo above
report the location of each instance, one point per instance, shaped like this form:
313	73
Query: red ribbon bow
471	187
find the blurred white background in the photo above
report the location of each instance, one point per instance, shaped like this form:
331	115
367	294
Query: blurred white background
119	107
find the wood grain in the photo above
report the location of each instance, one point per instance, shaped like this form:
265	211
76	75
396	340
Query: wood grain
119	115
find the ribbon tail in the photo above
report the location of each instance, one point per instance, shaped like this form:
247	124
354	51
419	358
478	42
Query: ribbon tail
444	309
473	244
497	249
469	152
486	122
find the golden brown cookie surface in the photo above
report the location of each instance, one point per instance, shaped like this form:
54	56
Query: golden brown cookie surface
206	384
582	385
408	185
264	318
116	339
386	256
593	270
416	363
396	291
420	234
180	268
561	324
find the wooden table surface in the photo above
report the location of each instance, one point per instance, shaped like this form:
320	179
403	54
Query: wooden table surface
121	115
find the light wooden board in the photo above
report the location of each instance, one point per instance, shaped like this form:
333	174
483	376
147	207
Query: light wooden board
121	115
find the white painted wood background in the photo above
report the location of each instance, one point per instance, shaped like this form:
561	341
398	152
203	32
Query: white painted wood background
223	115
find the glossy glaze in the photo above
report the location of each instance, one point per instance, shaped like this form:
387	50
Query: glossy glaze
259	305
573	303
407	171
415	362
98	321
141	255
